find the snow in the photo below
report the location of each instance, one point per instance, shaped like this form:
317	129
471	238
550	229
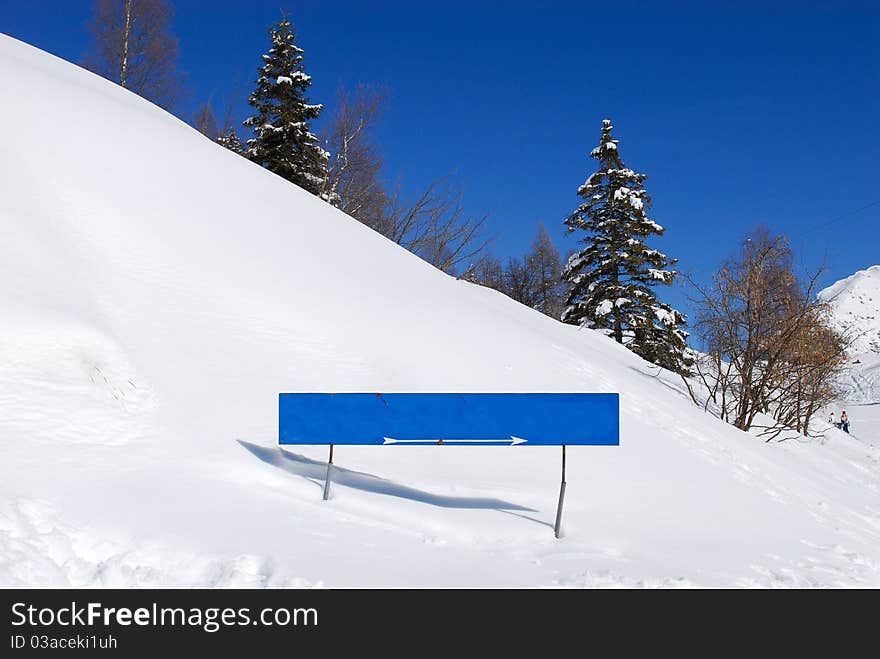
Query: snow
855	302
861	382
149	319
604	146
604	308
631	197
294	75
855	309
665	316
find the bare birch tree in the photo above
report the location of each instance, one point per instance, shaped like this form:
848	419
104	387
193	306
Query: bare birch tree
353	180
134	47
433	225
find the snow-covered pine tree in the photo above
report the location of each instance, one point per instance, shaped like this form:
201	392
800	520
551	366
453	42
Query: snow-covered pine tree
612	277
283	142
231	141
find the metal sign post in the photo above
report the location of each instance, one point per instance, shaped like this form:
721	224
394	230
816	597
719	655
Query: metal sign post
561	497
329	473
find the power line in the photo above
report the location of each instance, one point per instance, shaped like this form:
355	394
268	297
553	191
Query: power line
822	225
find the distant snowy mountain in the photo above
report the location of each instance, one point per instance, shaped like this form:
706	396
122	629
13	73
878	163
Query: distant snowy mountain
855	303
159	291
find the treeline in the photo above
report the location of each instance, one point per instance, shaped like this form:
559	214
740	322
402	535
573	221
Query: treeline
608	285
768	350
534	280
133	45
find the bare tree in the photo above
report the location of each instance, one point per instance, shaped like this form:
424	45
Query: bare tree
768	345
206	122
228	136
520	282
230	106
134	47
436	228
487	271
534	280
433	226
545	268
809	374
354	172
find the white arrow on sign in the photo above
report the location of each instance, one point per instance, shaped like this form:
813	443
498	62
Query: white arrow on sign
513	441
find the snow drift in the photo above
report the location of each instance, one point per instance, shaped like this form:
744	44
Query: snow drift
159	292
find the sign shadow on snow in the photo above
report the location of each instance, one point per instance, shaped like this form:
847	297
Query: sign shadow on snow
300	465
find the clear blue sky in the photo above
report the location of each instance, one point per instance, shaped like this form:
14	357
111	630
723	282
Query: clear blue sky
740	113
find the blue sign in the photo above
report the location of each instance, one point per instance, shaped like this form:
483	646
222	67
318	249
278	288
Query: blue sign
457	419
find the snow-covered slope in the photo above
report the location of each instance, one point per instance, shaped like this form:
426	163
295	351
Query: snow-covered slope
855	306
855	303
158	292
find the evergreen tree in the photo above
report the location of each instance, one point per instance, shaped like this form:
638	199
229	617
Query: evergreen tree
611	278
231	141
283	142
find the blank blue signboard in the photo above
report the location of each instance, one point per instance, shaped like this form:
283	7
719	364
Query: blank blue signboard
449	419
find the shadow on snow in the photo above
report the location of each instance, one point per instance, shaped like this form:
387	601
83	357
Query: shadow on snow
300	465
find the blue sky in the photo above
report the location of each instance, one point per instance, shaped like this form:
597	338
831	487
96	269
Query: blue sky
740	113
